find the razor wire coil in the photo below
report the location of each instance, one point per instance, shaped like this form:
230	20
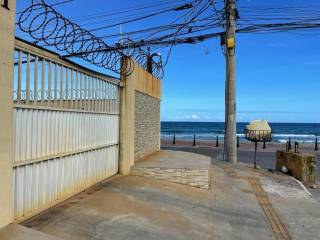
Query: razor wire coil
47	26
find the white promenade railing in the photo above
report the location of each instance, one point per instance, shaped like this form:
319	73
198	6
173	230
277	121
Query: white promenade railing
66	129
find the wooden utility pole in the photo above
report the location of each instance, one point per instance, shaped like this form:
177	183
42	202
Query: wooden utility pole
230	104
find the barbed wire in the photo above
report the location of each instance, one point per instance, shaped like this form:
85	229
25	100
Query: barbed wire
47	26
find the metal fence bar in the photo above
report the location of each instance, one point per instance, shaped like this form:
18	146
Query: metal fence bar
94	92
19	76
97	95
87	92
105	97
90	83
61	86
72	88
81	90
100	96
55	93
113	100
77	93
35	80
109	98
28	79
49	82
43	72
66	98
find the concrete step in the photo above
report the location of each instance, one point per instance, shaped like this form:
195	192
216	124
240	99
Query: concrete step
178	167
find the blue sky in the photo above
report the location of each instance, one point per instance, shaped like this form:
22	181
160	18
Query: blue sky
277	79
278	75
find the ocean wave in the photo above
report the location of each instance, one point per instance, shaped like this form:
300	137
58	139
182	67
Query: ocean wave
299	141
283	135
293	135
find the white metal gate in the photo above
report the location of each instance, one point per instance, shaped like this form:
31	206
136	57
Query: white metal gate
66	129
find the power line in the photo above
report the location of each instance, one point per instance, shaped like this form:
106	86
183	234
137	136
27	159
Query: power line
283	27
135	19
60	32
53	5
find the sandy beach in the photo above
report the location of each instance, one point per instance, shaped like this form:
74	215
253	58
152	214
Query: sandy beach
246	146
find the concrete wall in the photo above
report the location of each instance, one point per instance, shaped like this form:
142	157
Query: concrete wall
301	166
146	84
147	125
7	32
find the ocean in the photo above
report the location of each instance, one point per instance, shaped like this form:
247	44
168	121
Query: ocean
300	132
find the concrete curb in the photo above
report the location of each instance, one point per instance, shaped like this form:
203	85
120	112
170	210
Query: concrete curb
303	187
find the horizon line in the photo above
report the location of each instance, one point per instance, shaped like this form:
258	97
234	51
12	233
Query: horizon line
236	122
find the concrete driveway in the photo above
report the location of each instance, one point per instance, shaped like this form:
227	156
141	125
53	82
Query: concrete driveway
133	207
241	204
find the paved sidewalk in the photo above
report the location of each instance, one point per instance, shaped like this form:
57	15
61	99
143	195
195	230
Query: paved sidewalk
241	204
289	210
265	159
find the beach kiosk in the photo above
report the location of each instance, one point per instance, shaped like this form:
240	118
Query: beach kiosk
258	131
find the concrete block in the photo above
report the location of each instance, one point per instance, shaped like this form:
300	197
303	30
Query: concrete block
301	166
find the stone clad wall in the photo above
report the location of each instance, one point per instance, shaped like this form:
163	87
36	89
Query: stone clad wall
139	116
193	177
147	125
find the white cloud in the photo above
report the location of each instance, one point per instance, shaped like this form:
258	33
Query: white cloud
194	116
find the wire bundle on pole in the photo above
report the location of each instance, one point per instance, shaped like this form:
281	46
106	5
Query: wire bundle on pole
45	25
